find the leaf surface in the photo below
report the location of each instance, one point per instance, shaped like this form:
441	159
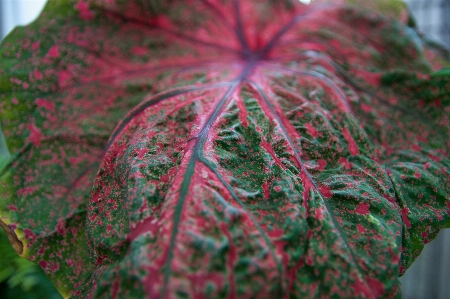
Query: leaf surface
223	149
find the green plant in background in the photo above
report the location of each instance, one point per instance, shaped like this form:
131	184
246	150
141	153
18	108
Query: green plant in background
20	278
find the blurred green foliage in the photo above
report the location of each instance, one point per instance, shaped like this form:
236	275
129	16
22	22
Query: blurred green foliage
20	278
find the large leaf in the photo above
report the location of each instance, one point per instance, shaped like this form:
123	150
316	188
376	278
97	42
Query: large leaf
257	149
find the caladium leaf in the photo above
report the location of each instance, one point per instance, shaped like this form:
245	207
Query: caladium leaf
235	149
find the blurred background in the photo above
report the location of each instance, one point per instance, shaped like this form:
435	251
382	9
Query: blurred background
428	278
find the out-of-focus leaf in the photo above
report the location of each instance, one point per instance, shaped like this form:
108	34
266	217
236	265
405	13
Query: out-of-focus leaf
222	149
22	279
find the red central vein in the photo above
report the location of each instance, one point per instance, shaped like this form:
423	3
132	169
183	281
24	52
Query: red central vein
199	141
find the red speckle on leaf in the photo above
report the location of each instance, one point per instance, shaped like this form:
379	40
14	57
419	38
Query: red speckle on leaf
345	162
405	218
361	229
63	77
161	21
319	214
100	259
322	163
45	104
53	52
352	147
366	108
362	208
37	74
376	286
60	227
266	192
139	51
35	135
43	264
417	175
371	78
167	177
70	262
83	10
15	101
311	130
12	207
361	289
390	199
416	148
35	45
325	191
435	158
437	103
141	153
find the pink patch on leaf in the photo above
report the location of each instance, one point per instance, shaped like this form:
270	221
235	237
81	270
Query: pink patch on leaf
345	162
311	130
352	147
141	153
139	51
83	10
35	135
12	208
362	208
361	229
376	286
325	191
37	74
405	218
366	108
361	289
45	104
53	52
266	191
322	164
63	77
43	264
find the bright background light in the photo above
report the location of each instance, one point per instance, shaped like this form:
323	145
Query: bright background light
18	12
